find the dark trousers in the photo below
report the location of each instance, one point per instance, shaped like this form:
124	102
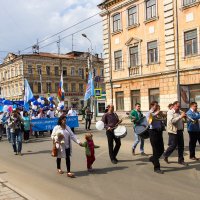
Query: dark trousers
156	140
87	123
26	135
67	159
194	136
90	161
174	141
111	138
17	141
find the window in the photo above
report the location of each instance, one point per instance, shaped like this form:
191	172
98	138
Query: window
39	69
102	72
188	2
80	87
56	87
12	72
56	71
152	52
118	59
21	69
39	87
48	70
64	71
30	69
72	71
133	56
65	85
190	42
119	100
116	22
8	74
48	87
80	72
16	71
73	87
16	88
95	72
150	9
132	16
154	95
135	97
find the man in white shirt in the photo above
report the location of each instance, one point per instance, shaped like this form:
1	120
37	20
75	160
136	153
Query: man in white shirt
175	128
72	112
51	113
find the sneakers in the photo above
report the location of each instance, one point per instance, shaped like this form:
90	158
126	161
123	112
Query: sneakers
143	154
194	158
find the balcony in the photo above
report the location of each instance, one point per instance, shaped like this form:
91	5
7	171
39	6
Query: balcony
135	71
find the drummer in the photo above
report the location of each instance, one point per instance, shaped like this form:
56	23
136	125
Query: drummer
111	120
136	116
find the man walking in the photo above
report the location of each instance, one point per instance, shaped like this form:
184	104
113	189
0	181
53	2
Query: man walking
193	128
110	120
175	127
136	116
156	136
88	118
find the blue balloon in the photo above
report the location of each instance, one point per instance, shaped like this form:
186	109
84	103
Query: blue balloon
35	103
32	99
42	98
62	107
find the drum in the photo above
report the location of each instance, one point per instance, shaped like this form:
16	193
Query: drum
142	131
120	132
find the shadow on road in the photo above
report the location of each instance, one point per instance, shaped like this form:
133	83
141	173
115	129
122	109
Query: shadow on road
3	172
38	152
100	171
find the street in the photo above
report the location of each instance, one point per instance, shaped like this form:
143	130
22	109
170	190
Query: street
35	173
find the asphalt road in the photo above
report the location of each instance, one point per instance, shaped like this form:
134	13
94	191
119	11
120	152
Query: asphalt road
131	179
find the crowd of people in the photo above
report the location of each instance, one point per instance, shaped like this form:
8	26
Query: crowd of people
18	123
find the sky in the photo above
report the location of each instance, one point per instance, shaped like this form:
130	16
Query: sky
23	22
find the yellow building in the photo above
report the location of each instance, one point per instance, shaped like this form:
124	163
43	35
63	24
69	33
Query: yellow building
43	72
151	51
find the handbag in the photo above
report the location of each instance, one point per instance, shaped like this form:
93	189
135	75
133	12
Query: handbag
54	152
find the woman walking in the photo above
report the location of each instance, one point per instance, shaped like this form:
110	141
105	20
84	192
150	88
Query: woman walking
64	147
27	126
15	123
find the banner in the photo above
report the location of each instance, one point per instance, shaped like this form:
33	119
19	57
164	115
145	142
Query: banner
185	96
47	124
90	88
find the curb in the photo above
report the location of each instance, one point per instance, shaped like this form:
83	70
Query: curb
16	190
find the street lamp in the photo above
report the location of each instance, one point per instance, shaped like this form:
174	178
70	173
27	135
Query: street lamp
92	70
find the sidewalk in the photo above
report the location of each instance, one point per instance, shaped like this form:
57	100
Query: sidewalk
8	192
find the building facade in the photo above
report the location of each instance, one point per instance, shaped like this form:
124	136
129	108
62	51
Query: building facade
43	72
151	51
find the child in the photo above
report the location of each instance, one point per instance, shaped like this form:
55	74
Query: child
59	140
89	150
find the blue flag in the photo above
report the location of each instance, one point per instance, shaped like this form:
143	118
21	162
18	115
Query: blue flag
90	87
28	94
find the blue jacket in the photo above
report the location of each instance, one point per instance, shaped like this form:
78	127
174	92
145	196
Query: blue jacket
193	127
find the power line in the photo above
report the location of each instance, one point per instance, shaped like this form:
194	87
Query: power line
63	30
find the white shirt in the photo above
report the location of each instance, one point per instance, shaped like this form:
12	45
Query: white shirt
72	113
51	113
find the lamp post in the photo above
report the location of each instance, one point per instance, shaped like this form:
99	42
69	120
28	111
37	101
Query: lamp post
93	103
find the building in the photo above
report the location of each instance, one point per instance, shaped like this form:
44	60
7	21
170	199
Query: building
151	51
43	72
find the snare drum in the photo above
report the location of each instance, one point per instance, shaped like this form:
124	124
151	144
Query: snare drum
120	132
142	131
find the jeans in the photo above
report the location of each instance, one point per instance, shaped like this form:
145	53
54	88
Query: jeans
174	141
137	140
87	124
156	140
17	141
111	138
194	136
8	133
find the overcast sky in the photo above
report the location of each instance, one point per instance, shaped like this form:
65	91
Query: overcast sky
22	22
